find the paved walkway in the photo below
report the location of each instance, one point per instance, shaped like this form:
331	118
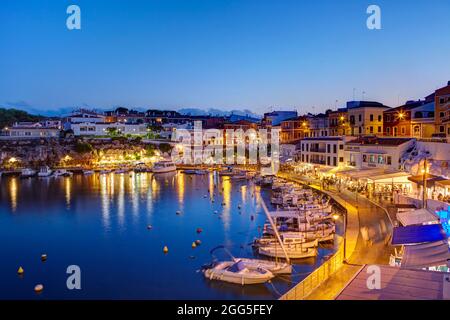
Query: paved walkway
368	232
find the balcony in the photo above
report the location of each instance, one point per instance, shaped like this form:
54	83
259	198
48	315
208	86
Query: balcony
320	150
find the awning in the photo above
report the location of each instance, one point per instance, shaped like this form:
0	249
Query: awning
430	179
362	173
395	177
418	234
420	216
443	183
426	255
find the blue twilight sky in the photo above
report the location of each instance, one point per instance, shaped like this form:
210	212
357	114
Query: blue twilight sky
227	54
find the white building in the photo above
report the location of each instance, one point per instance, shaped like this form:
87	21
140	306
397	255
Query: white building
327	151
102	128
374	152
30	130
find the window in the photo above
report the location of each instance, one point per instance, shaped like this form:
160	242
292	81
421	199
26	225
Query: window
303	147
388	131
359	118
380	159
371	117
360	130
380	118
418	115
379	129
389	160
441	129
403	130
334	148
307	147
441	114
371	129
352	119
341	147
334	161
341	159
364	158
303	158
328	148
388	118
372	158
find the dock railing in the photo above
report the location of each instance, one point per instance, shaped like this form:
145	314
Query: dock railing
318	276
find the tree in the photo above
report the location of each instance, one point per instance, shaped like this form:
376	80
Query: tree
83	147
113	132
9	116
165	147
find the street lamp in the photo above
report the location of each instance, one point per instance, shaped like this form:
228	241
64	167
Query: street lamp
336	217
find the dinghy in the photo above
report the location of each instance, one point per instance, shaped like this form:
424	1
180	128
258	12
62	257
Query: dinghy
237	272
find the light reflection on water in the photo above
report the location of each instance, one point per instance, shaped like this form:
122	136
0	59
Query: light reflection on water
100	223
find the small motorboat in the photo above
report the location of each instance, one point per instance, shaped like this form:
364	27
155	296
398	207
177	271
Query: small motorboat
62	173
27	173
164	166
45	172
237	272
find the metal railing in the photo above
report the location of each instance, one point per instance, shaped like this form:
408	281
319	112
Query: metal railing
317	277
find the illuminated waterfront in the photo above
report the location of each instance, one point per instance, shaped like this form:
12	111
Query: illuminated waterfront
99	222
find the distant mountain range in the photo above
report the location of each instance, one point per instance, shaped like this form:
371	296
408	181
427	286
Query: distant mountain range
245	113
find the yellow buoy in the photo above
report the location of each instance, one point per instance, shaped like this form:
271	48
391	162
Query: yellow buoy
194	245
38	288
165	250
20	270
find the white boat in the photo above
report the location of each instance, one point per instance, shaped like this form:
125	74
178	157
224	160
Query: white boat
105	171
164	166
27	173
120	171
293	251
238	272
62	173
88	172
288	238
45	172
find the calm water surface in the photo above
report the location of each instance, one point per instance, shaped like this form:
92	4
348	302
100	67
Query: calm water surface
99	223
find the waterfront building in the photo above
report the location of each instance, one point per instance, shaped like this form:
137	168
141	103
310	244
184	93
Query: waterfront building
422	121
327	151
365	117
375	152
318	125
31	130
275	118
294	129
104	128
397	122
83	115
338	122
442	111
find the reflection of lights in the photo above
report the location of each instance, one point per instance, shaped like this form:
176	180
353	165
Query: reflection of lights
13	192
180	183
67	188
227	201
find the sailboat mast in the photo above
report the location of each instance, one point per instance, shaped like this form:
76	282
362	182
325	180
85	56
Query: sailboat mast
274	227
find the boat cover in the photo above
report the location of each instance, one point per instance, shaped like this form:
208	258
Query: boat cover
424	255
420	216
418	234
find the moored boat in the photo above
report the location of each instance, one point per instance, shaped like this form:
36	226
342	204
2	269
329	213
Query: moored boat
45	172
27	173
164	166
237	272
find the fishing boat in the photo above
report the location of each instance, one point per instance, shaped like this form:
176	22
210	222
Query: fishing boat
293	251
62	173
27	173
237	272
45	172
164	166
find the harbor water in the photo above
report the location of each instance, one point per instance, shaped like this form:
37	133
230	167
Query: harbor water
115	226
